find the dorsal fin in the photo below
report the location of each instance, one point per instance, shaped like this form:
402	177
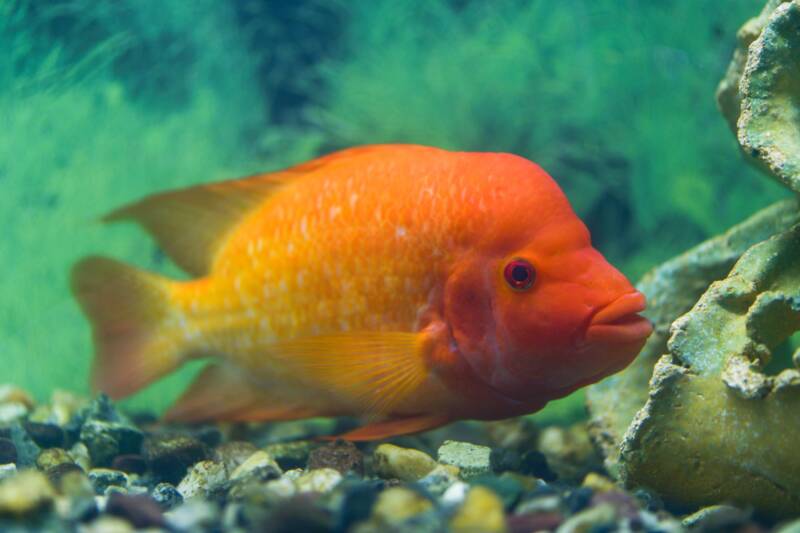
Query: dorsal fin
189	224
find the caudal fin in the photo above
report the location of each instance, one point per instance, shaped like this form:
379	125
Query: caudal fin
127	308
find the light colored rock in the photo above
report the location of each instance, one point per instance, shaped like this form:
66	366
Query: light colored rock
482	511
53	457
440	479
397	504
260	464
596	517
321	480
25	493
202	478
80	454
107	524
768	128
104	478
471	459
405	464
7	471
671	290
11	412
713	414
455	493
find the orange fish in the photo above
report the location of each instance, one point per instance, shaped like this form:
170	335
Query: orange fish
408	285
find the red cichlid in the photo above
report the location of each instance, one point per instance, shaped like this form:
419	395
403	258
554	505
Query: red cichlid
408	285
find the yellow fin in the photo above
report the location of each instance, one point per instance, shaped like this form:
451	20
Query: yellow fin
190	224
375	370
127	308
393	427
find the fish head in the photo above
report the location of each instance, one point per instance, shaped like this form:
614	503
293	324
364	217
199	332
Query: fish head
536	310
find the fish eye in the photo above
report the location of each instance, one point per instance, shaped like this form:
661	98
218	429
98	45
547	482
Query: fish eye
519	274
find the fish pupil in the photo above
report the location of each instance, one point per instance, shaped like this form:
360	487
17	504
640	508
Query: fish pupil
519	274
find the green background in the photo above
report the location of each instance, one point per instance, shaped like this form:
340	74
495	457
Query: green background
102	102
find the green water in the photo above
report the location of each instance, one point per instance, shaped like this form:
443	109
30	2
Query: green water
102	102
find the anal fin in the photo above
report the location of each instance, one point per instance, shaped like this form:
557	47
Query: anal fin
222	392
394	427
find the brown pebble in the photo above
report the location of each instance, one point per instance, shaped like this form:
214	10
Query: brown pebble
341	455
526	523
45	435
130	463
140	510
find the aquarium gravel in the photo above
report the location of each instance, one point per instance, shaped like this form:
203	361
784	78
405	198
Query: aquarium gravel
75	464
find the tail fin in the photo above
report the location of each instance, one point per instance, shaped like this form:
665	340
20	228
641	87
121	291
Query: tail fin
127	308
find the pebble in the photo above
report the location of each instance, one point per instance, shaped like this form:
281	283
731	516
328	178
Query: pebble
321	480
8	452
27	450
53	457
70	479
140	510
513	434
80	453
406	464
166	496
342	456
45	435
569	452
598	483
193	515
232	454
397	504
7	470
131	463
482	511
534	463
105	440
12	412
592	519
439	479
260	466
716	517
12	394
170	456
202	479
578	499
542	504
25	493
356	504
103	478
527	523
107	524
507	487
471	459
455	494
291	454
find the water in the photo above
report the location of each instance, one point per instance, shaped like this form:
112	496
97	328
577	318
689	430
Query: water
103	102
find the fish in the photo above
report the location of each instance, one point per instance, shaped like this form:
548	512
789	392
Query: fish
405	285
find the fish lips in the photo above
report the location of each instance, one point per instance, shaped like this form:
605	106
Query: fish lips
619	322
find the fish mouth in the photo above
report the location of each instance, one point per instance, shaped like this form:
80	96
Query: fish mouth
619	321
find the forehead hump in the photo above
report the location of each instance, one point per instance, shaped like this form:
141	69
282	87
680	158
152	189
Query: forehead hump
523	202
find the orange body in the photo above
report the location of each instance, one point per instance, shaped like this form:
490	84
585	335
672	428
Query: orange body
408	284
